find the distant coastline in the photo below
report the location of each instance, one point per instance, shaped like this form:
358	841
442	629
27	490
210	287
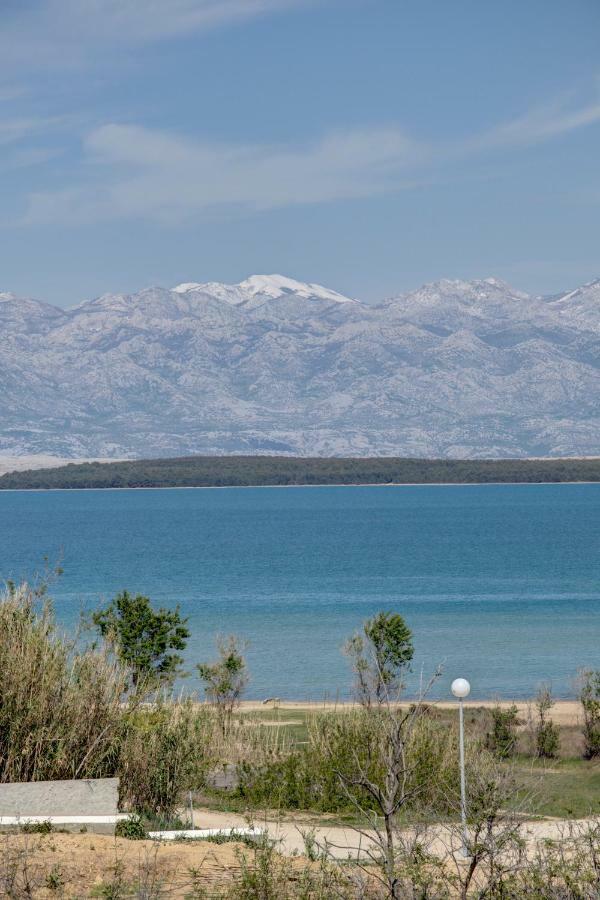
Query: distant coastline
280	471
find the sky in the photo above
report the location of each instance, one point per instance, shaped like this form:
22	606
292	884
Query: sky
368	145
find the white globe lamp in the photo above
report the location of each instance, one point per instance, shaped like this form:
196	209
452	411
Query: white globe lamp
461	688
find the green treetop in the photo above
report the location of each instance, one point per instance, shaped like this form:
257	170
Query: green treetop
144	637
380	655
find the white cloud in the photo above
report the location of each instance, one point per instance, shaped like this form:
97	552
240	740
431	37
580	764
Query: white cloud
66	32
131	172
138	172
538	124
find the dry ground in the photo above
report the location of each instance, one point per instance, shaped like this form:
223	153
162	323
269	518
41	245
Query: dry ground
91	865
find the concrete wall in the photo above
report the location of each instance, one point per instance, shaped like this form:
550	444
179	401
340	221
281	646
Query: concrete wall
93	797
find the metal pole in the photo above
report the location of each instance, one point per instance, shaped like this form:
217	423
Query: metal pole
463	791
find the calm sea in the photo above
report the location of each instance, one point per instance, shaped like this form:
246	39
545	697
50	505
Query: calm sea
499	583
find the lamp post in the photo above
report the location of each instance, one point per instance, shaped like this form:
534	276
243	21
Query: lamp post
461	688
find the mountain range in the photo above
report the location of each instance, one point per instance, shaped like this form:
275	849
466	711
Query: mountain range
274	365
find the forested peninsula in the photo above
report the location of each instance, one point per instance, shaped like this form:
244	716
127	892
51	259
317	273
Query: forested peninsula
248	471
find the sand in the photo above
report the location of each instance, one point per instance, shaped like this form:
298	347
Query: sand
564	712
84	864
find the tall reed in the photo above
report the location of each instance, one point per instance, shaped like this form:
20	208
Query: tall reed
60	708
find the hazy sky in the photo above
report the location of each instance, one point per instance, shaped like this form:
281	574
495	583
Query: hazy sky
369	145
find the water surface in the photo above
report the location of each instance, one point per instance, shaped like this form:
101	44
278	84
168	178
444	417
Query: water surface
500	583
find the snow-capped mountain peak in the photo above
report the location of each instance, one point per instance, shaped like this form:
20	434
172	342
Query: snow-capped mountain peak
275	365
187	286
278	285
262	288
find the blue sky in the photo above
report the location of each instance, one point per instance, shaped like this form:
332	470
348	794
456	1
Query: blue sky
370	145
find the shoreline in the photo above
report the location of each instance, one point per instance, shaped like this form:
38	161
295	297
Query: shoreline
563	712
225	487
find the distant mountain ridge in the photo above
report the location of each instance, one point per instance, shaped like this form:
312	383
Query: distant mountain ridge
277	366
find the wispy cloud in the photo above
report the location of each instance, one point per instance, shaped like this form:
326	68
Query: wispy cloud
129	171
67	31
538	124
13	130
138	172
26	158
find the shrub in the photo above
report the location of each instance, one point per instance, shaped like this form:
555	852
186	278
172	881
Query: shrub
225	680
44	827
311	777
502	739
62	714
589	697
132	828
265	875
547	734
163	754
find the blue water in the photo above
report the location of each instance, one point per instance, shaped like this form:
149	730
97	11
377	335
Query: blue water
499	583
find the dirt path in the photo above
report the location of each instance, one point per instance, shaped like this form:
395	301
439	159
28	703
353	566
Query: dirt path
344	842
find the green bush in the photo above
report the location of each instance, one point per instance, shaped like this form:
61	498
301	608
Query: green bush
44	827
163	754
501	740
64	713
547	740
547	733
132	828
310	776
589	696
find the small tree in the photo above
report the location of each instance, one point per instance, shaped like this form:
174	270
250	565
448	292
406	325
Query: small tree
225	680
144	637
547	735
589	697
380	656
502	739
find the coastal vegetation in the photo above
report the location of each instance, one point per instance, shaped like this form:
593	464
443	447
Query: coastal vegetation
385	767
143	637
245	471
225	679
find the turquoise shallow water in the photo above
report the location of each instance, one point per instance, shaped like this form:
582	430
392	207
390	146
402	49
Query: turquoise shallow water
500	583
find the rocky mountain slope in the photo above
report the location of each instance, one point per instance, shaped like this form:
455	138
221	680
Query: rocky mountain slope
272	365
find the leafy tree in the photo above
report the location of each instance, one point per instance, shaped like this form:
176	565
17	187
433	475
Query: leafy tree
144	637
225	679
380	656
589	697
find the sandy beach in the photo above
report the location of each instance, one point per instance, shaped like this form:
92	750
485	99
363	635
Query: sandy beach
564	712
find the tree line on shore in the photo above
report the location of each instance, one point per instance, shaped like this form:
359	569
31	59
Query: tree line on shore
247	471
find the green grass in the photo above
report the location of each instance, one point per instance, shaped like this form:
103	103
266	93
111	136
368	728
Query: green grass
565	788
291	725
